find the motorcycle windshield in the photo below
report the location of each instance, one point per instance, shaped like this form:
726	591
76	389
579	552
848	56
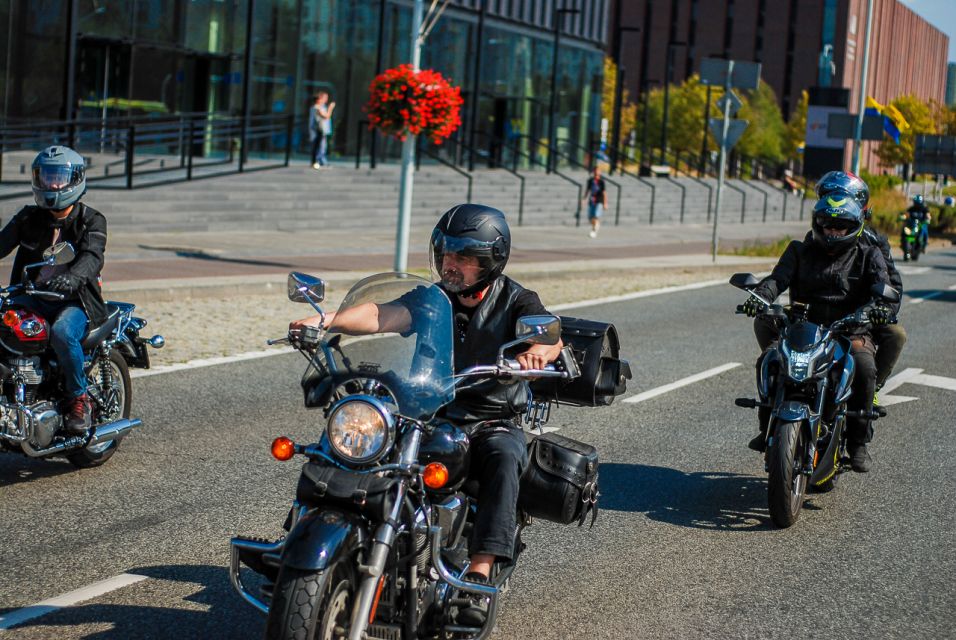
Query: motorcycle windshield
803	336
406	344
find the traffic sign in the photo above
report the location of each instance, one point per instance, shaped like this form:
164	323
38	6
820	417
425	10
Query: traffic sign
746	75
935	154
735	103
843	125
735	129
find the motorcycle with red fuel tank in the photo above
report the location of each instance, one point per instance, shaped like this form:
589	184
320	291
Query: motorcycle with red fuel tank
31	390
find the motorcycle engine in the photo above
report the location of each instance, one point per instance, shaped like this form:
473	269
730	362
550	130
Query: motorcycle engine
43	423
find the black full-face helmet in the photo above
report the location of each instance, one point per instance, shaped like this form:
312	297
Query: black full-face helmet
473	230
834	181
59	178
838	210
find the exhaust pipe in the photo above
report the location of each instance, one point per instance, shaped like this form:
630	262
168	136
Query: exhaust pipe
113	430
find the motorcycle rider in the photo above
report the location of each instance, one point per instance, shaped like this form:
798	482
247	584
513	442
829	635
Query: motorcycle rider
470	247
920	212
889	338
59	181
832	274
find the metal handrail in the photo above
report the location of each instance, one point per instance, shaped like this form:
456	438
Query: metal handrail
554	170
683	195
710	193
617	211
766	195
423	150
521	179
644	181
743	199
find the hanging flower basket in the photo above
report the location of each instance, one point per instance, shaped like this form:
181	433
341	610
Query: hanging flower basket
404	103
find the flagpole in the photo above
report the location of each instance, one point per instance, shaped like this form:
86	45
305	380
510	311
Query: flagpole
858	130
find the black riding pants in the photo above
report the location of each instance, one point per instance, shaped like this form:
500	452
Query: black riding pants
499	455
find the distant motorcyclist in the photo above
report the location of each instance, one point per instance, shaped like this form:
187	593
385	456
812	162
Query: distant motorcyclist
59	181
470	247
832	274
889	338
920	212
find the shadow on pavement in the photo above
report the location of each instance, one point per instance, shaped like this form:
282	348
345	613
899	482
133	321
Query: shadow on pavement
16	468
212	610
202	255
703	500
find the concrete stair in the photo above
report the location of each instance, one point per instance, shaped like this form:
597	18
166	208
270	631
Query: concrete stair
298	197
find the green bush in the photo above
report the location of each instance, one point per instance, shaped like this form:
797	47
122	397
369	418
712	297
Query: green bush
878	183
944	219
761	249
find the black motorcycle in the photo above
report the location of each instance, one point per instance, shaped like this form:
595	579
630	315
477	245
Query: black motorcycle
377	542
803	383
31	421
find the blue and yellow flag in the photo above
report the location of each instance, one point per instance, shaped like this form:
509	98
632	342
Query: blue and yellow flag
893	121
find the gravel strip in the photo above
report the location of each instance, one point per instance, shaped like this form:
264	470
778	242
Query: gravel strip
207	327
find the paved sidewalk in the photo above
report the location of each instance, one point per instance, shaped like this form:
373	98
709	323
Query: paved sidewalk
160	261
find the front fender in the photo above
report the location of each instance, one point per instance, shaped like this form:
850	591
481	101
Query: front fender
320	538
792	411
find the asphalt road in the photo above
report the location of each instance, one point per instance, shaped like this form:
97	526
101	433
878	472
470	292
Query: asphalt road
683	547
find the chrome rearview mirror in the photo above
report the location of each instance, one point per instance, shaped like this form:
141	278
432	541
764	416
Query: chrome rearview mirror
305	288
60	253
543	329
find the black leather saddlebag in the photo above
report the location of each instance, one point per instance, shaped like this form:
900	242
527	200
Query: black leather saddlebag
365	493
596	350
561	481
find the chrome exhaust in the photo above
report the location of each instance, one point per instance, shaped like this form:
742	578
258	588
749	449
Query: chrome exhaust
113	430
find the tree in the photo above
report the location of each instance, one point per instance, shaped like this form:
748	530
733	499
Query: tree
685	122
945	117
797	127
921	120
765	136
628	109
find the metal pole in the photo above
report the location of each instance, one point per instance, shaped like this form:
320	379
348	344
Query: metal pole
644	128
616	126
69	79
722	163
667	85
552	107
373	136
858	130
246	84
475	87
703	145
408	157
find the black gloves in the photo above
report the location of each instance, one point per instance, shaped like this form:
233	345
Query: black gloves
752	307
64	283
880	315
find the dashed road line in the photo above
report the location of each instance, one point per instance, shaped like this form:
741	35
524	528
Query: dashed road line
89	592
683	382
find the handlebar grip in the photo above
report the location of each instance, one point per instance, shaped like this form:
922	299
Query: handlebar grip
740	310
284	340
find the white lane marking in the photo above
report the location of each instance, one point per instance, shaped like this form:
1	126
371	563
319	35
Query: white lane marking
940	382
912	271
637	294
928	296
89	592
900	378
252	355
683	382
953	288
886	401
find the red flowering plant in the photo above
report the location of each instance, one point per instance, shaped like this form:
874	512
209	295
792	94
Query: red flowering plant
404	103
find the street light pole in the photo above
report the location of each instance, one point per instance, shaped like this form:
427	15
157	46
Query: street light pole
408	156
618	95
669	72
552	130
858	130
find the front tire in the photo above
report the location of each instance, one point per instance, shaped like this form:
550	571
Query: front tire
312	605
786	485
113	403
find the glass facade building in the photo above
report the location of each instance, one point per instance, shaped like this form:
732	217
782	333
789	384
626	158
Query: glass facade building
109	59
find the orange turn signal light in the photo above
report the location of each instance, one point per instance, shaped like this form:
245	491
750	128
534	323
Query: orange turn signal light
11	318
283	448
435	475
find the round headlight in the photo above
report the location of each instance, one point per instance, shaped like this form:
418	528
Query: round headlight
360	430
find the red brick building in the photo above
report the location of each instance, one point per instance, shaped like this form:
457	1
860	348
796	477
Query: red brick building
907	53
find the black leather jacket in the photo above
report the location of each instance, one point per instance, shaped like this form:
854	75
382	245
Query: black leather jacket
31	232
492	325
868	238
832	285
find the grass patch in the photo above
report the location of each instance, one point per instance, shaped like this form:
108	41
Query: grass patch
761	249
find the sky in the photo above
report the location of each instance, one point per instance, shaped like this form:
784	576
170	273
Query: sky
942	15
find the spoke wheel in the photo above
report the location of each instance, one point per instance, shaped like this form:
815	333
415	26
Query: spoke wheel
111	401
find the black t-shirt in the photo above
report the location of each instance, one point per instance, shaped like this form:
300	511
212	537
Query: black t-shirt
596	190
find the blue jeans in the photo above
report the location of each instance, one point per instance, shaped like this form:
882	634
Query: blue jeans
68	324
924	235
320	146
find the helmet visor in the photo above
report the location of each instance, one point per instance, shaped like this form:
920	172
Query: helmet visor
57	177
838	224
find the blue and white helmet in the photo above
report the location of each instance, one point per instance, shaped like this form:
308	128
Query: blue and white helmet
59	178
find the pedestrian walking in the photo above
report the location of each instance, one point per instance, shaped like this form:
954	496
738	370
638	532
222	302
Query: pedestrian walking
320	128
595	196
